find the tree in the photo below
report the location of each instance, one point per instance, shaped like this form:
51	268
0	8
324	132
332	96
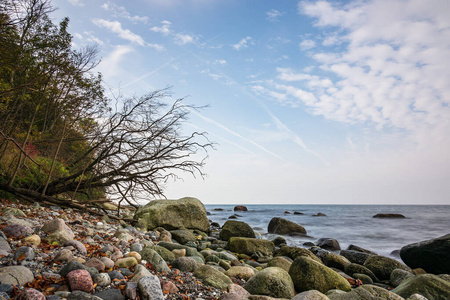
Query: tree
60	141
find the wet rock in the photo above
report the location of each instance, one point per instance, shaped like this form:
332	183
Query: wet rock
16	275
389	216
365	279
30	294
283	226
383	266
24	253
274	282
240	208
187	213
250	245
80	280
319	215
150	288
359	249
213	277
308	274
236	229
428	285
432	255
15	230
329	244
279	240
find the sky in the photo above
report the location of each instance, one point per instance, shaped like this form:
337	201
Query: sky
310	102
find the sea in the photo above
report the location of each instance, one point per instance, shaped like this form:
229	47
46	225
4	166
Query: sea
349	224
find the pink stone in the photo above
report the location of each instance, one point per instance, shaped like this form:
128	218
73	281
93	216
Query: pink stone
31	294
169	287
80	280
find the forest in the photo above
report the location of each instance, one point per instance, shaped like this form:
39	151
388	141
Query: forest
63	141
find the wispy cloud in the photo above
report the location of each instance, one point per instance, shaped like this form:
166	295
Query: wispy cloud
243	43
307	44
163	29
76	2
121	12
178	38
273	15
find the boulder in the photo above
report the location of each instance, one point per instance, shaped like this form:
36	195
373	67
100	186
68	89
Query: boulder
187	213
383	266
16	230
240	208
310	295
333	260
359	269
30	294
428	285
140	272
236	229
366	292
150	288
185	264
398	276
16	275
11	211
212	277
360	249
80	280
355	256
58	231
308	274
280	262
250	245
283	226
165	253
329	244
294	252
432	255
274	282
389	216
241	272
182	236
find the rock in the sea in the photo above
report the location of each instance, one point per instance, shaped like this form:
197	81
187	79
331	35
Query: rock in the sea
366	292
319	215
283	226
236	229
432	255
383	266
389	216
360	249
16	275
240	208
428	285
250	246
58	231
187	213
30	294
274	282
329	244
308	274
213	277
80	280
310	295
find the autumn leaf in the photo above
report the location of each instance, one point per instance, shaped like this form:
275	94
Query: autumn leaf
21	257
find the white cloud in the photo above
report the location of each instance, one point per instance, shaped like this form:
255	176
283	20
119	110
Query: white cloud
121	12
116	27
273	15
183	39
307	44
76	3
242	43
220	62
164	28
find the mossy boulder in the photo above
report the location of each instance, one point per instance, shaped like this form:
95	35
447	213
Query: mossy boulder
212	277
356	268
383	266
236	229
158	263
250	246
274	282
333	260
187	213
427	285
294	252
366	292
280	262
165	253
183	236
283	226
308	274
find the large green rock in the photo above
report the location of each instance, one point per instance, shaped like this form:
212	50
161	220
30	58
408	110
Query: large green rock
294	252
432	255
250	245
308	274
352	268
187	213
428	285
366	292
158	263
280	262
182	236
274	282
383	266
236	229
212	277
283	226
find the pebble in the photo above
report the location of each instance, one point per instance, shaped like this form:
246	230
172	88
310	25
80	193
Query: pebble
80	280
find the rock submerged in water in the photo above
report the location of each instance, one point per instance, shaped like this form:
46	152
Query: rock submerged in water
240	208
283	226
389	216
432	255
189	213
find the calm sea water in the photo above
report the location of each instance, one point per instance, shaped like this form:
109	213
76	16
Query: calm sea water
349	224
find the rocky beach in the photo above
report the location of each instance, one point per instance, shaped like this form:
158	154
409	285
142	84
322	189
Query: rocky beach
173	251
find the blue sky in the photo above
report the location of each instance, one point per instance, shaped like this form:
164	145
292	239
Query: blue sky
311	102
